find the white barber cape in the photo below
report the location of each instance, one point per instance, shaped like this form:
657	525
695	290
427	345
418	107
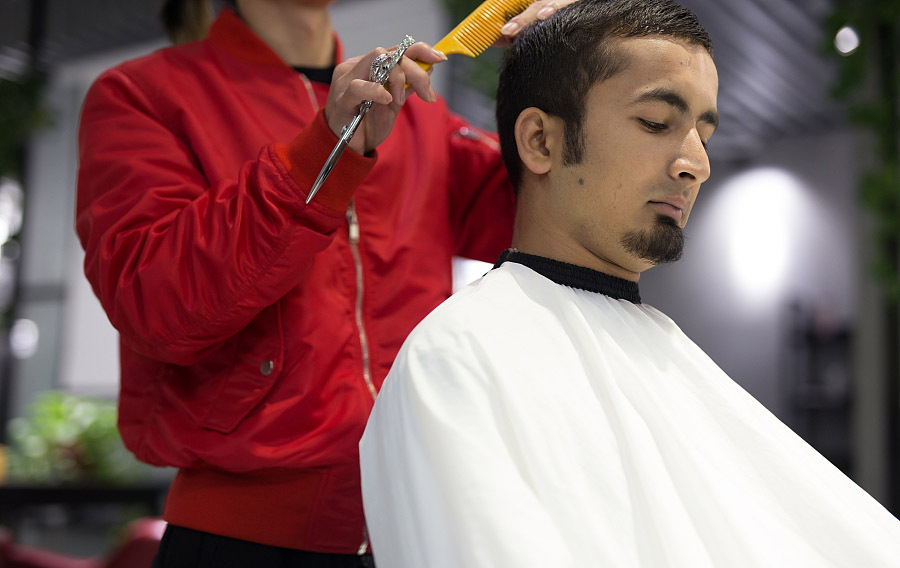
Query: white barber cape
527	423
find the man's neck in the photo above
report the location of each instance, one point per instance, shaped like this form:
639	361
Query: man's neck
577	257
536	233
301	35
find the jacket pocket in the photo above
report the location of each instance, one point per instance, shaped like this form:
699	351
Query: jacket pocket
258	363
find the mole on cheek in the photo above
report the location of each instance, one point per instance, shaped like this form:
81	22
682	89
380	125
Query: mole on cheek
580	181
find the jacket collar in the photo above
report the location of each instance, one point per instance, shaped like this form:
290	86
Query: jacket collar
231	34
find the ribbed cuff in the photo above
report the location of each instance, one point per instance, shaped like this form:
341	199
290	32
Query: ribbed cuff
305	155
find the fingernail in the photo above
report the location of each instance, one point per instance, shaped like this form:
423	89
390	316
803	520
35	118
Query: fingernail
510	28
439	54
546	12
432	95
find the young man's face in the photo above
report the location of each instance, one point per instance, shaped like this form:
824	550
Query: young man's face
644	157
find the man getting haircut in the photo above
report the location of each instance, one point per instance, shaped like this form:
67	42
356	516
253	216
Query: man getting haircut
544	416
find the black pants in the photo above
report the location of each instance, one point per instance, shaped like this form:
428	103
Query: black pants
187	548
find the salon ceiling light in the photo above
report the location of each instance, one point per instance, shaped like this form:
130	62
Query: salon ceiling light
846	41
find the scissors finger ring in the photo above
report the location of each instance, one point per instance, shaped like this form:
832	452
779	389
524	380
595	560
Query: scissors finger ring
382	66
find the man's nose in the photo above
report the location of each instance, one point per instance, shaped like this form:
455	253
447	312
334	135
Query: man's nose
692	163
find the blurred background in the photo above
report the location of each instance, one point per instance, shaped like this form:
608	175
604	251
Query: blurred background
789	279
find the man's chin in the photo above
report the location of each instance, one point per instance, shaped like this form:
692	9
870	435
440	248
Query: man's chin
660	244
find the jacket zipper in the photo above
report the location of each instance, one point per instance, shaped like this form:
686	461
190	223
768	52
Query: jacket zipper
353	231
353	234
310	92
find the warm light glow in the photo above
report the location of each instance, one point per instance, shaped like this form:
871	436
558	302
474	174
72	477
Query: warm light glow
10	209
761	217
846	40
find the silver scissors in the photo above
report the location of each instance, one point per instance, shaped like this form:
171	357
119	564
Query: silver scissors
379	72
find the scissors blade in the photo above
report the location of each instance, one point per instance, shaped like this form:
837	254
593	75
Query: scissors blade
346	134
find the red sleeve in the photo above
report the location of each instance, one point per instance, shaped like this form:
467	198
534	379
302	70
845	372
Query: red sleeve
180	264
482	203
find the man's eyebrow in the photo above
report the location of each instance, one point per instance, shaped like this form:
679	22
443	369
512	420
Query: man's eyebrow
677	102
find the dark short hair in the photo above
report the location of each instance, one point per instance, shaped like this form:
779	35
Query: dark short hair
553	63
186	20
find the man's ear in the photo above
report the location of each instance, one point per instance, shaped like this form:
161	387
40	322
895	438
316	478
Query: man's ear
536	139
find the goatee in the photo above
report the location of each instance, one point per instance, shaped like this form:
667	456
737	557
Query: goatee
662	243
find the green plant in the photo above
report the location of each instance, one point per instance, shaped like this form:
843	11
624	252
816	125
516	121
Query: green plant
482	72
869	81
21	113
65	438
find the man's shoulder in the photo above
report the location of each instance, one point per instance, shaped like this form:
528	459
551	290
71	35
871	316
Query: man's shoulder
482	305
467	344
507	302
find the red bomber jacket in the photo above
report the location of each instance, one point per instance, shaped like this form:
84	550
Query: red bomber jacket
256	330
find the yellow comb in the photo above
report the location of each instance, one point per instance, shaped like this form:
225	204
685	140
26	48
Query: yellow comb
480	29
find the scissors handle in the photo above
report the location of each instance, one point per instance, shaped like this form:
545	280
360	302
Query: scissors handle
379	72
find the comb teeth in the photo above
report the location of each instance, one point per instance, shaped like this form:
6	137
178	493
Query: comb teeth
481	28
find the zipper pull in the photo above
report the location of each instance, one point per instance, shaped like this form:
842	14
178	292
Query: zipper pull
352	224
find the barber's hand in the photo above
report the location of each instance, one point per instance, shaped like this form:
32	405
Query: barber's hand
350	86
540	10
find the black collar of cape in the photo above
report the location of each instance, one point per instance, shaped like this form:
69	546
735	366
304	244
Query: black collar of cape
575	276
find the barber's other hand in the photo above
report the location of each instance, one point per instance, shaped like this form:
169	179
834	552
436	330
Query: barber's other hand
540	10
350	86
